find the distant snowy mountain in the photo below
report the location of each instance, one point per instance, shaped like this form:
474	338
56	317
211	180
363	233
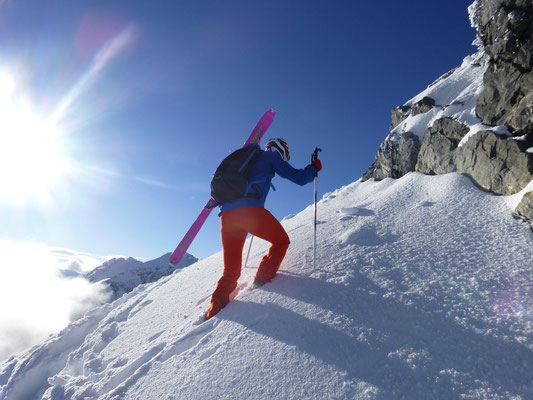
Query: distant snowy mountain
422	291
123	275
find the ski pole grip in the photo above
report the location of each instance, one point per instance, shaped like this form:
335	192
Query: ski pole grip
314	156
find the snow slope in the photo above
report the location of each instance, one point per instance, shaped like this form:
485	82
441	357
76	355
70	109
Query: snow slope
423	290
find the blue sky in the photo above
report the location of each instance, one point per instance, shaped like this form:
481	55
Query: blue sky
146	98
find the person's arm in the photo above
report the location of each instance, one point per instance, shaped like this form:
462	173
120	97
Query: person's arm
298	176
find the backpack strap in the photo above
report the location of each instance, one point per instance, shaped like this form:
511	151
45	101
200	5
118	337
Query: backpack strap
248	159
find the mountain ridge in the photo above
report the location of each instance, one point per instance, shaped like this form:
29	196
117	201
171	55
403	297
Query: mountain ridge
122	275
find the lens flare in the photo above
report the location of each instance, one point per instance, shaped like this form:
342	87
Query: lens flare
511	304
31	158
104	56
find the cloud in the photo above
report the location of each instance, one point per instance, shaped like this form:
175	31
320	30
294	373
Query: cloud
41	292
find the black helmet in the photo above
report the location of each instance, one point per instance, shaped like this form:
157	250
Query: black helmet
281	146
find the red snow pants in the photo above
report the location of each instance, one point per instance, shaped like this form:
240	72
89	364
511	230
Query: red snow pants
234	227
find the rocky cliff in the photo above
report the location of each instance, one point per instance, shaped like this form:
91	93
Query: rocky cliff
478	118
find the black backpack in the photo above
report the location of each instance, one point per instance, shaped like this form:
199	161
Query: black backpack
230	180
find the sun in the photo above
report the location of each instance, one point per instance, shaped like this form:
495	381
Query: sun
32	160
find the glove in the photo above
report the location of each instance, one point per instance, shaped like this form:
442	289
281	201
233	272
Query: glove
317	164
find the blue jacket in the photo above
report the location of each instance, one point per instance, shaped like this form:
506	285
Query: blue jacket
266	166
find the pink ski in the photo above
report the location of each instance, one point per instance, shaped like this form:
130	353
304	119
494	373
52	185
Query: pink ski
254	137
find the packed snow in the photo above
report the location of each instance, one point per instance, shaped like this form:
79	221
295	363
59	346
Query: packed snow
422	290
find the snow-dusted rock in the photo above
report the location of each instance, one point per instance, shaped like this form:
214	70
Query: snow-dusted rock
395	158
422	106
464	120
505	31
524	209
123	275
398	115
440	141
445	108
495	162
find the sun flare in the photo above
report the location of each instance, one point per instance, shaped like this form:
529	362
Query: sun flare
31	158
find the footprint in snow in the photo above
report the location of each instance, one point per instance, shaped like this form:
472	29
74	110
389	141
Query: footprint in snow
356	212
188	341
94	364
154	337
107	336
110	333
127	376
365	236
123	314
208	353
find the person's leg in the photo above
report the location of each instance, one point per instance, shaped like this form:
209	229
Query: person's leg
268	228
235	225
233	238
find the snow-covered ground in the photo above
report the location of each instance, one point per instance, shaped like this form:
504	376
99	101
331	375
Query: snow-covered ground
423	290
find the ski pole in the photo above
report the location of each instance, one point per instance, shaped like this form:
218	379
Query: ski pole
249	248
314	156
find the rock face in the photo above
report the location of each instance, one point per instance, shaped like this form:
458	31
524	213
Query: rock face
438	145
525	208
504	104
395	158
505	29
497	164
423	106
399	114
486	130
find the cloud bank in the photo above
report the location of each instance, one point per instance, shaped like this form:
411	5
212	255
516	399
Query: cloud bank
41	291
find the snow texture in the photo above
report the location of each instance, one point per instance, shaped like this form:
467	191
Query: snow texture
423	290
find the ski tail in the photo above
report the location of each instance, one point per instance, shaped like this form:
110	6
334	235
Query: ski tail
183	246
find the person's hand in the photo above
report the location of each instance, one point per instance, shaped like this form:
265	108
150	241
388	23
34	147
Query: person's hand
317	164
